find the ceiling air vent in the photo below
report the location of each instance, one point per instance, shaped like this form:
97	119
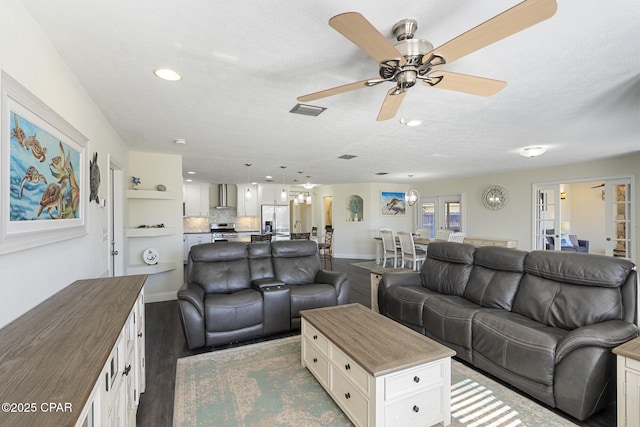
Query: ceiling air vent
307	110
347	156
382	173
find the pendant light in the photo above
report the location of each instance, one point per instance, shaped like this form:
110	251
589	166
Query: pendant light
247	195
412	195
283	194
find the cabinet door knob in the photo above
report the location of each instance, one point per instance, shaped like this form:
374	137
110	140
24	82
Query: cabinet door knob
347	395
139	334
126	371
315	360
347	366
315	337
415	408
416	379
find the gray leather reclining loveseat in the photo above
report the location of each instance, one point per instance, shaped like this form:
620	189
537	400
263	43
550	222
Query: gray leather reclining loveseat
235	291
544	322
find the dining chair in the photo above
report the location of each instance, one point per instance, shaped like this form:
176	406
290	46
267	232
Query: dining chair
456	236
443	234
390	249
423	233
409	251
326	248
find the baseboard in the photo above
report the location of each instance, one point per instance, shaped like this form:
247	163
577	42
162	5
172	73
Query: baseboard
159	296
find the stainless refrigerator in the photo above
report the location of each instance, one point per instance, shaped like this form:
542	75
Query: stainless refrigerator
278	218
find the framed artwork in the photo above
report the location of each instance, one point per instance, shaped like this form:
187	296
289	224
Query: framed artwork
392	203
43	176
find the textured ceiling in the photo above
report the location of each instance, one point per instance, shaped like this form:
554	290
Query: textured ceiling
573	86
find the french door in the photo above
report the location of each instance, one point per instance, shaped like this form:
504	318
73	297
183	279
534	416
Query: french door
618	217
546	220
441	213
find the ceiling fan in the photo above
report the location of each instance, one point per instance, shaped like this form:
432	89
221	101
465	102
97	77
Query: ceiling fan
412	59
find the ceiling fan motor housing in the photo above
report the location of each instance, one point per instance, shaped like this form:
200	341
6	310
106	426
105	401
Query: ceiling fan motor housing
413	50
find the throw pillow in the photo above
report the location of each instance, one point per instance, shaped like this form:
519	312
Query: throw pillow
574	240
565	241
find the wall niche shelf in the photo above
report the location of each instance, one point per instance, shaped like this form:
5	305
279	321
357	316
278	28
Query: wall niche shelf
160	267
151	232
151	194
355	208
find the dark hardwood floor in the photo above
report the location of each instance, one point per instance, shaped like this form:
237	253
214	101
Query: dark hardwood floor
165	344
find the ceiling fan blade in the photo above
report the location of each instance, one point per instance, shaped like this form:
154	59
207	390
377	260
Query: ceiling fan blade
464	83
334	91
391	104
509	22
363	34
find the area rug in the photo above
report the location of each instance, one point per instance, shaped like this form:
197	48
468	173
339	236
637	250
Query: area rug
369	265
265	385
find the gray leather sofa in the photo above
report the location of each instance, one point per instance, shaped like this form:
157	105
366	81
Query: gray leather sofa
235	291
544	322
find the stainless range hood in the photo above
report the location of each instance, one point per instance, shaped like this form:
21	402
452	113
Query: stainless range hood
223	197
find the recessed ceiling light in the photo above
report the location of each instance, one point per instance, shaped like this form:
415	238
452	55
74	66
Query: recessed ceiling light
268	177
179	141
188	180
411	123
167	74
532	151
191	173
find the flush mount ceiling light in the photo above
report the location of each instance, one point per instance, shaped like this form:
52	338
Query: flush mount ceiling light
307	110
411	123
167	74
532	151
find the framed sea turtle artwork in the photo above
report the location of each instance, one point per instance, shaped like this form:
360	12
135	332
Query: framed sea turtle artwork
43	172
392	203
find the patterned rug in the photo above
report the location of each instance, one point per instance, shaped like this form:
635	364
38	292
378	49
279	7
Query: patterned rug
265	385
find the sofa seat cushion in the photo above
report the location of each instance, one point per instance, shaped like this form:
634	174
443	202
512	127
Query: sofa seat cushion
406	303
316	295
448	318
229	312
518	344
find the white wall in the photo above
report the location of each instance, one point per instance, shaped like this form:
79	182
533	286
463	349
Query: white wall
31	276
514	220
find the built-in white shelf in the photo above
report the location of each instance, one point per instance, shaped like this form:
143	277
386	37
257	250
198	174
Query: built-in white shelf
160	267
150	194
151	232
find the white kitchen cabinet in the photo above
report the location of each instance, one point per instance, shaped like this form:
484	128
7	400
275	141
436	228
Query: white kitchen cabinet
270	194
193	239
196	200
247	206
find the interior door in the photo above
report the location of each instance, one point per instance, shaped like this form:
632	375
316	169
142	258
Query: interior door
618	217
546	216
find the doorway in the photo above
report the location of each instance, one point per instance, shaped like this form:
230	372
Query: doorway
441	213
594	215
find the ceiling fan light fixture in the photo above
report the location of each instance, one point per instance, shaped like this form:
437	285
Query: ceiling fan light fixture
411	122
532	151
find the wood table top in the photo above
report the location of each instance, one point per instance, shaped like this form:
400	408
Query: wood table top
378	344
55	352
630	349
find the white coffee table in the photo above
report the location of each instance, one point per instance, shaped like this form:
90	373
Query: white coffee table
379	372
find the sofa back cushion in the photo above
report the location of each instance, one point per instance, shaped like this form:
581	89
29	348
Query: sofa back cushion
495	276
569	290
221	267
295	262
447	267
260	261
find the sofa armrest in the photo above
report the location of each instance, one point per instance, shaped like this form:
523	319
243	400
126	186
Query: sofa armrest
260	284
607	334
584	244
405	278
338	280
191	302
194	294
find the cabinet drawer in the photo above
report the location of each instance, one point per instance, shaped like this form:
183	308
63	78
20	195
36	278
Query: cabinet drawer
352	401
316	362
421	409
350	369
316	338
412	380
632	364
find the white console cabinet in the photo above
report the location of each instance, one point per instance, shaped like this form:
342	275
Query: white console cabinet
628	383
53	367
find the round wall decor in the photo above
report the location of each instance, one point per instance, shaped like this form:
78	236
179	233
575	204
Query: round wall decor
150	256
494	197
